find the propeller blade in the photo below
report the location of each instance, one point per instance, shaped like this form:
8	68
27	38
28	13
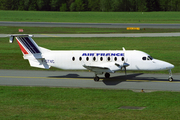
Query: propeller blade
125	64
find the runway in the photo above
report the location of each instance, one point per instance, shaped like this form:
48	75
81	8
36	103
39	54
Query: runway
96	25
89	25
77	79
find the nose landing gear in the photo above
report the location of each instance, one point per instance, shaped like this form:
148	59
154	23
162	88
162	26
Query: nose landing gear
170	76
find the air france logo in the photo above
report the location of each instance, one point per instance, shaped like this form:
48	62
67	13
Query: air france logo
103	54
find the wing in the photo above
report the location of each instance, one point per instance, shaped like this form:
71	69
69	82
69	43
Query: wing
108	67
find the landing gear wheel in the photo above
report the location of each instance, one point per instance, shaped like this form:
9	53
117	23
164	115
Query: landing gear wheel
170	79
96	78
107	75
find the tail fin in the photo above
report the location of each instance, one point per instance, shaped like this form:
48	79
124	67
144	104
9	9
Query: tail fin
31	50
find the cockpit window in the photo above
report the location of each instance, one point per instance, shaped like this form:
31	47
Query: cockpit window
144	58
150	58
147	58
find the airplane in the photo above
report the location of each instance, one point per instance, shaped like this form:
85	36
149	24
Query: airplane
98	61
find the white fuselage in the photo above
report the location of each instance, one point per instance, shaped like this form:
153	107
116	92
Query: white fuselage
74	60
97	61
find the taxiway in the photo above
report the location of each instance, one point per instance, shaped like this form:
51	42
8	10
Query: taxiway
79	79
90	25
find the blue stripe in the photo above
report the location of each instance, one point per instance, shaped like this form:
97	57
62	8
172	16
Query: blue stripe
29	45
26	44
32	46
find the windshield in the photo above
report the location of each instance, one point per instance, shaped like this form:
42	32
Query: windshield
147	58
151	58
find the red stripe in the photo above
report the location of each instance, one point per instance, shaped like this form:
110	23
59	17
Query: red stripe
22	48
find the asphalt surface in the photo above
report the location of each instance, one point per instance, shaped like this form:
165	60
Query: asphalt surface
147	82
90	25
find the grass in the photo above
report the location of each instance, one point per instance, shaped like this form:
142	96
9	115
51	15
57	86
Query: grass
163	48
70	103
77	103
61	30
91	17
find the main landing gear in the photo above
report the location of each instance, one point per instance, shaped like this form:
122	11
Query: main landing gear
107	75
170	76
96	78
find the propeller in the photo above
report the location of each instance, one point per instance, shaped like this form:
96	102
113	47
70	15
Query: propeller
125	64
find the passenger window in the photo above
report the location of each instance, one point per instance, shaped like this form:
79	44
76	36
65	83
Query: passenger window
115	59
87	58
94	58
101	58
122	58
73	58
108	58
80	58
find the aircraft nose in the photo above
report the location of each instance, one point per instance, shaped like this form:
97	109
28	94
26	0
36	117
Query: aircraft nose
168	65
163	65
171	66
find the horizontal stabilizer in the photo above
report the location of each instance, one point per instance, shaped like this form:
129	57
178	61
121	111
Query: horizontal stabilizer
11	37
40	63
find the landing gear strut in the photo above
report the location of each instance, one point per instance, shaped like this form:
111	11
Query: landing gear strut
170	76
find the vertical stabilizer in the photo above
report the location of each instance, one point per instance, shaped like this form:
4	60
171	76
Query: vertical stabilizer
30	50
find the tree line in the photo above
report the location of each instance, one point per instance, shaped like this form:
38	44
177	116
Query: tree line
91	5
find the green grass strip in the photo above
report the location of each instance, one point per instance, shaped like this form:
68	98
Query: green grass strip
61	30
92	104
91	17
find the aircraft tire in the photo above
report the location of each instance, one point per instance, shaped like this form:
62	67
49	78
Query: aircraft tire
96	78
170	79
107	75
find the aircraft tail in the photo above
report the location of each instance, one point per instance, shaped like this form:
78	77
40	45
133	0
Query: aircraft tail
31	50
